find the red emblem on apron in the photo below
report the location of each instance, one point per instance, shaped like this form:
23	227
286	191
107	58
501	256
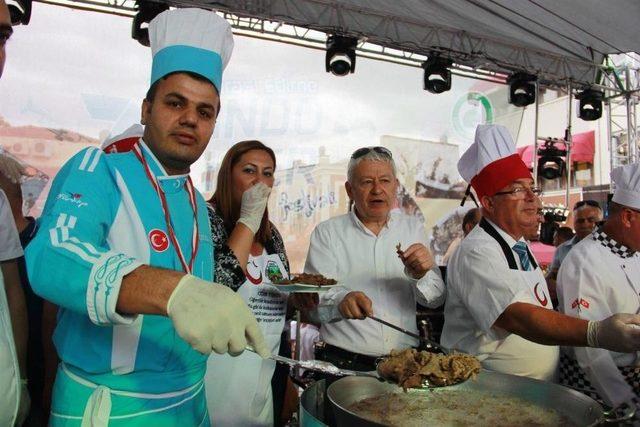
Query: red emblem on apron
254	280
159	240
542	300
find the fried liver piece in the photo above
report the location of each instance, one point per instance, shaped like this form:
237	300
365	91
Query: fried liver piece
409	368
309	279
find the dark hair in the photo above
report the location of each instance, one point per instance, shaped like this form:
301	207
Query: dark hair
151	93
565	232
223	197
470	217
582	203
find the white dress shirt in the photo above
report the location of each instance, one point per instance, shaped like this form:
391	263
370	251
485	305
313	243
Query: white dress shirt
344	249
596	280
480	286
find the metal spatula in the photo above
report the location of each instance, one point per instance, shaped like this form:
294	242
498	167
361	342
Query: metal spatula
320	366
429	344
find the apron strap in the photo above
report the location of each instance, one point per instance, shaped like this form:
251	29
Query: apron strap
506	249
98	409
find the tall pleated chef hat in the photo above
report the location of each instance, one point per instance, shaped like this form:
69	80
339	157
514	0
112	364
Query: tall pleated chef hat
491	162
627	179
194	40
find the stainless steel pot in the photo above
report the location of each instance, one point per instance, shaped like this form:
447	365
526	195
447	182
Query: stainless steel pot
576	407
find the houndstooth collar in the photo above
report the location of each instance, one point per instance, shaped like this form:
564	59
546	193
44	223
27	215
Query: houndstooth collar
618	249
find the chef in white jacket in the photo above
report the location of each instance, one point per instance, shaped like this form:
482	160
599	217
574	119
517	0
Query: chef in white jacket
599	277
498	305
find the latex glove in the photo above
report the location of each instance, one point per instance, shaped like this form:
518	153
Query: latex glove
210	316
620	332
25	403
254	202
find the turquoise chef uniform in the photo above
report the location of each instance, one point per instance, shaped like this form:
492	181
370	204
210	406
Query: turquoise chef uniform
102	220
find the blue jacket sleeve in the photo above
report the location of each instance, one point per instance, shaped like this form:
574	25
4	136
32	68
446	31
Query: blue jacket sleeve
69	261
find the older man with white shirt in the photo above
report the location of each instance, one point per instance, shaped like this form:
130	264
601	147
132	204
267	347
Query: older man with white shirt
498	306
359	250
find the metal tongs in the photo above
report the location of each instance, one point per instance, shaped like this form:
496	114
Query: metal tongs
429	344
319	366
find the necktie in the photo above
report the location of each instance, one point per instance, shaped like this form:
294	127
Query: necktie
521	250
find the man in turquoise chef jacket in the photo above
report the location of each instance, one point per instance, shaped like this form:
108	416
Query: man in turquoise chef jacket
124	248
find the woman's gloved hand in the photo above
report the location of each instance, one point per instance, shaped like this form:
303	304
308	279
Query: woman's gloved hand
254	202
210	316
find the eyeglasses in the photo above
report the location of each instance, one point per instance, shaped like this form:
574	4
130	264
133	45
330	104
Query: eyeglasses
520	192
366	150
582	203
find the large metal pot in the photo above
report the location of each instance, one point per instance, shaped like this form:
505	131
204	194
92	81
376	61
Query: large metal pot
579	409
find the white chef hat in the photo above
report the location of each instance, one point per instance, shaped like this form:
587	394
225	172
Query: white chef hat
194	40
491	162
123	142
627	179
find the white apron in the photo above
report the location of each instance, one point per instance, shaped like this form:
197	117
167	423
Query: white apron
9	369
239	388
518	356
514	354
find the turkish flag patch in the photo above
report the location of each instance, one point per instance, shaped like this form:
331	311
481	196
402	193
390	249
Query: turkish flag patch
159	240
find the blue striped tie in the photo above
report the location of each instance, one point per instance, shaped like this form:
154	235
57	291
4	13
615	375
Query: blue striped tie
523	254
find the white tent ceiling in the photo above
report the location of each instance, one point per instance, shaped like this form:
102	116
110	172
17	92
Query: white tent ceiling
558	40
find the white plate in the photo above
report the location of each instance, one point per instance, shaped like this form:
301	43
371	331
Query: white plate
303	287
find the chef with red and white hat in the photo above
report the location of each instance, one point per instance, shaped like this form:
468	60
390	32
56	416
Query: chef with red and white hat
498	306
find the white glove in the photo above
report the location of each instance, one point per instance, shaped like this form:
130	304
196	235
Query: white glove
254	202
210	316
25	403
620	332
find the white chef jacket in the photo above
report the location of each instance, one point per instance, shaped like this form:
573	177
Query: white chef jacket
480	286
344	249
597	279
10	248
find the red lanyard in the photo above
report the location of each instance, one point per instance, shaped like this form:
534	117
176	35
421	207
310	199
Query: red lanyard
163	201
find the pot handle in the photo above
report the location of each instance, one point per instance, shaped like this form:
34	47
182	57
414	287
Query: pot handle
619	414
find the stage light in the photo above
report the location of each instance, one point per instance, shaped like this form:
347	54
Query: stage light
551	164
522	89
437	75
19	11
341	55
147	10
590	104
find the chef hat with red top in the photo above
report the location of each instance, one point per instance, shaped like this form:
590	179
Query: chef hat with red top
491	162
123	142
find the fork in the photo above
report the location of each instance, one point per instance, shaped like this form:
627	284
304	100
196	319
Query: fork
320	366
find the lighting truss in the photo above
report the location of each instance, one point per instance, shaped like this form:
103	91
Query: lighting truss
384	47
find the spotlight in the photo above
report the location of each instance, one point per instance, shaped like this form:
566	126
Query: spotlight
437	75
522	89
341	55
551	164
19	11
590	104
147	10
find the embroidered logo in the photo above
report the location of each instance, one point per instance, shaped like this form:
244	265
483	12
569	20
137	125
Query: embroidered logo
74	198
159	240
579	303
543	300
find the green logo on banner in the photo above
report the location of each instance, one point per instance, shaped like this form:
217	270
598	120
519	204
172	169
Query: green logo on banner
470	110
